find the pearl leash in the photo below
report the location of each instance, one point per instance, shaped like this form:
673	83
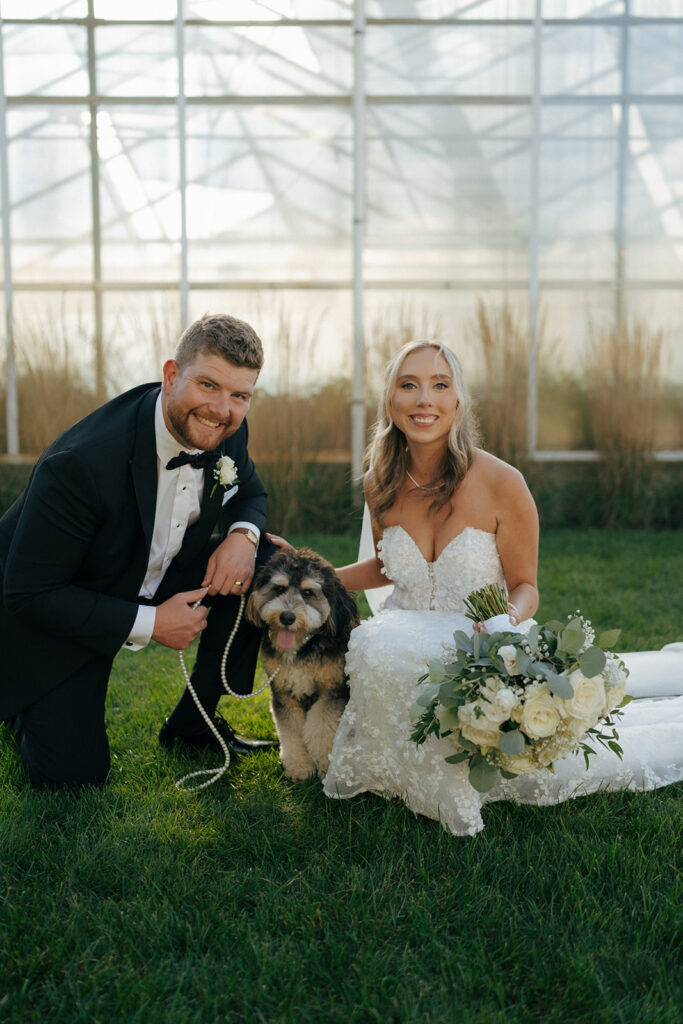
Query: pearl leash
215	773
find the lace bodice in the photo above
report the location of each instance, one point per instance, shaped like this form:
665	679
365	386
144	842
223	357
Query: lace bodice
468	562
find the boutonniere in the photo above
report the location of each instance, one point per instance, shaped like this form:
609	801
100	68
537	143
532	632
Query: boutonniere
224	473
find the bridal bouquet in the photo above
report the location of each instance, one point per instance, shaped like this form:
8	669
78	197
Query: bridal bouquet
513	703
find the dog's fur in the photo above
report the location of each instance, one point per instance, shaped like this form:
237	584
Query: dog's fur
306	616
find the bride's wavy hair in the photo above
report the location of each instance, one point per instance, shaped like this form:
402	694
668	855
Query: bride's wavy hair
387	453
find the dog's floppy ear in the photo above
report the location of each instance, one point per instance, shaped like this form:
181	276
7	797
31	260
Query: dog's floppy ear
252	611
343	608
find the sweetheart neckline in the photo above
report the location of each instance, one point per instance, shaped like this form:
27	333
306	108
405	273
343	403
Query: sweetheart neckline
474	529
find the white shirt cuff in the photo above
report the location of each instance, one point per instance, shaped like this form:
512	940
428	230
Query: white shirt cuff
143	627
248	526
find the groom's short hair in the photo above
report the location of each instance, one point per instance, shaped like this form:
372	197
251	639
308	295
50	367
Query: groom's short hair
223	335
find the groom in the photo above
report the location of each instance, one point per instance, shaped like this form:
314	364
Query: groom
147	506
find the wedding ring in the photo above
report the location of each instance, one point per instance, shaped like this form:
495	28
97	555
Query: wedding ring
238	583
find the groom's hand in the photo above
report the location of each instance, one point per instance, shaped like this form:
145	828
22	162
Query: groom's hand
177	623
230	568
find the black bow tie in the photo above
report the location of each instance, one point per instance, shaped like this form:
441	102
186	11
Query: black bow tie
198	461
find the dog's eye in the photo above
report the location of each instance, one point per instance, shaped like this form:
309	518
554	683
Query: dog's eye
308	593
278	590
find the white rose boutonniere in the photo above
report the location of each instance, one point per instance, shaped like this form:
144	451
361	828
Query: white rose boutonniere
224	472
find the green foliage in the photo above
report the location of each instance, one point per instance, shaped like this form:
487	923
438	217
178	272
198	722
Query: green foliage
259	900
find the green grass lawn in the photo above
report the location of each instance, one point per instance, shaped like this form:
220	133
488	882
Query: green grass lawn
257	900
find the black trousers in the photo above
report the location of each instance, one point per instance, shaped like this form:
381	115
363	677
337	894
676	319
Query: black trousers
62	737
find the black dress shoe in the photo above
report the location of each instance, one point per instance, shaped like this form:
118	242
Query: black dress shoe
206	740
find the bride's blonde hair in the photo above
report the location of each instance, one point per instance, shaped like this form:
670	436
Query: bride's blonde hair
387	453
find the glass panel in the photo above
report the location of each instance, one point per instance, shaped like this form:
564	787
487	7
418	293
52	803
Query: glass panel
140	202
447	191
582	8
49	181
306	333
655	193
657	8
138	60
141	330
263	61
450	9
49	60
422	60
579	157
581	60
656	59
269	193
256	10
136	10
27	9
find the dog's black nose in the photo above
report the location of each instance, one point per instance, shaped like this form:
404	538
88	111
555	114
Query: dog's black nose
287	618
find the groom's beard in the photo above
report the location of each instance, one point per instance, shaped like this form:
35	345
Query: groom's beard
192	433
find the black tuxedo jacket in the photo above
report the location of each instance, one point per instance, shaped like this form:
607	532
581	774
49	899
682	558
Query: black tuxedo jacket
75	545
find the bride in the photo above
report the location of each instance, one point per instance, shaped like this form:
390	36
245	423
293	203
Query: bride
448	518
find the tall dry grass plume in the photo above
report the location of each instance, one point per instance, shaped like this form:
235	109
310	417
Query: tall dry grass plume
503	338
54	387
623	370
293	426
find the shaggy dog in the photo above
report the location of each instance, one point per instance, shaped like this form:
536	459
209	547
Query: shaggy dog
306	616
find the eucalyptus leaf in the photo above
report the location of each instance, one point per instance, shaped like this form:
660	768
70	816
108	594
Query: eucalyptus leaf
483	776
609	637
416	711
467	744
571	641
627	700
511	742
427	694
437	671
457	758
532	636
448	721
508	775
463	642
559	685
553	625
592	662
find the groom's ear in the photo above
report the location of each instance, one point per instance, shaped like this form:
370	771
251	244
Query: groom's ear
170	371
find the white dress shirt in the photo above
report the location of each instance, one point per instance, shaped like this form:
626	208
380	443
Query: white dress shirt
179	497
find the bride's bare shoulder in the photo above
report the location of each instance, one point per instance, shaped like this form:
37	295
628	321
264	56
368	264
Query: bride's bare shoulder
498	476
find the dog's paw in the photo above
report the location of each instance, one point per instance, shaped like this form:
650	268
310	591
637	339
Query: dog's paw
299	773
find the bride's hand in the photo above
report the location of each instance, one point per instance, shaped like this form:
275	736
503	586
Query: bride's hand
514	616
279	542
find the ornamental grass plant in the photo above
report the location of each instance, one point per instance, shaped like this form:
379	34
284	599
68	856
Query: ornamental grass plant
259	900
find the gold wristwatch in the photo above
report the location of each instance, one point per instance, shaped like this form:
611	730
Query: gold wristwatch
249	534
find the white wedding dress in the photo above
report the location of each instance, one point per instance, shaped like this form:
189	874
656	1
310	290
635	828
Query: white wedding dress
388	653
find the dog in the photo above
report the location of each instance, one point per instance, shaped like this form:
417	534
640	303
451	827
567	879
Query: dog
306	616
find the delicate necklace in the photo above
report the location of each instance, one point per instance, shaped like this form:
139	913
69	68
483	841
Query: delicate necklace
423	487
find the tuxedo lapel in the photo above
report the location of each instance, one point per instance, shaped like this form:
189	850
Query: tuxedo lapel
143	466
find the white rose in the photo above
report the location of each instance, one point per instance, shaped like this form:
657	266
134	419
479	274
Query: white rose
225	471
497	708
577	728
477	729
520	764
589	700
509	655
540	714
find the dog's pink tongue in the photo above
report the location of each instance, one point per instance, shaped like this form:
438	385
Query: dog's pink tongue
285	639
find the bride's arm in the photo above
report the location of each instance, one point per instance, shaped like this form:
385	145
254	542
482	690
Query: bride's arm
365	575
517	541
